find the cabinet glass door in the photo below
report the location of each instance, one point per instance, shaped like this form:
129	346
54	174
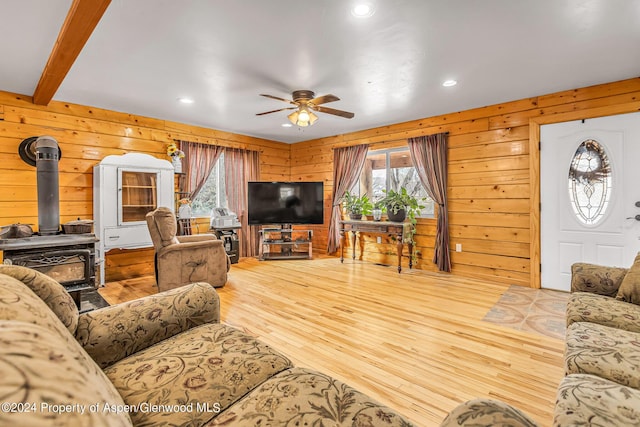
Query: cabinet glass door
138	195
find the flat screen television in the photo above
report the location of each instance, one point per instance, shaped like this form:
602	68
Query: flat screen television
285	203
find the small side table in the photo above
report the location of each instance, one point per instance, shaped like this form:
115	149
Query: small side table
229	236
389	228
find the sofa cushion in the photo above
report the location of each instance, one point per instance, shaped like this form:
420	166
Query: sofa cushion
587	307
43	373
587	400
211	364
596	279
607	352
18	302
630	287
51	292
302	397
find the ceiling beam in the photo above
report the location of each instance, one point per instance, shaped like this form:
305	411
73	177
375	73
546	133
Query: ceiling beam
80	22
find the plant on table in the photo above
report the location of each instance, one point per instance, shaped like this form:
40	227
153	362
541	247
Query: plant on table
397	201
356	205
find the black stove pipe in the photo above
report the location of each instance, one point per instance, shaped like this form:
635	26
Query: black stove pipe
46	148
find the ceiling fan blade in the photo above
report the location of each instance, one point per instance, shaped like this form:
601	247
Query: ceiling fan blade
275	111
324	99
345	114
279	99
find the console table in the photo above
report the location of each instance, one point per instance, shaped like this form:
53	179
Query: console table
389	228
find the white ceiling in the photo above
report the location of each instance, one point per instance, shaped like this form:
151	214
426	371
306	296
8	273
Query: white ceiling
389	68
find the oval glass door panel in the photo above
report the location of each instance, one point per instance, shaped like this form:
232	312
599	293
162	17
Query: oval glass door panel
590	182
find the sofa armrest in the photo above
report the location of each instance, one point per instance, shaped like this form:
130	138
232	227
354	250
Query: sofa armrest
191	245
596	279
217	245
196	238
113	333
486	413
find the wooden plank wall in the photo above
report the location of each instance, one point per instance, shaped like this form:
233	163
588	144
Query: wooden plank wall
489	183
86	135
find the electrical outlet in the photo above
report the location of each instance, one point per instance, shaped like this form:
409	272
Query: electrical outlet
378	239
458	247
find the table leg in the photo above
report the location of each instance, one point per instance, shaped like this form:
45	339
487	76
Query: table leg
354	244
410	255
400	245
342	242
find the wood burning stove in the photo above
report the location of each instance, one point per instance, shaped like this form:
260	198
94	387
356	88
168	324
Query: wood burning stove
67	258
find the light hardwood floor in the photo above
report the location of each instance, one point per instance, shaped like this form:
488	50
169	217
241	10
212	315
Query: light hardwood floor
414	341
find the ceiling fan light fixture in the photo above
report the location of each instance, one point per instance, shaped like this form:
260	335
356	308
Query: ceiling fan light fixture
302	117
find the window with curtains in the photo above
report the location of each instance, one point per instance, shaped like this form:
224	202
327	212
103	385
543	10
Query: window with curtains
213	193
392	169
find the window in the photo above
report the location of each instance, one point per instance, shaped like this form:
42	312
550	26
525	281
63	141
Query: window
212	195
392	169
590	182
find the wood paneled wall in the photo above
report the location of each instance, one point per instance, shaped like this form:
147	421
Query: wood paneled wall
492	182
86	135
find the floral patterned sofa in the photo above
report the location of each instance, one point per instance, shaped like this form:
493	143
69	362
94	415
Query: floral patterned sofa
602	357
160	360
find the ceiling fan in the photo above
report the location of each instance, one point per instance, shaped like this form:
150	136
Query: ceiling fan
305	105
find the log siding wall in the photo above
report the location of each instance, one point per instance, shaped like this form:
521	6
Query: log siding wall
492	184
493	181
86	135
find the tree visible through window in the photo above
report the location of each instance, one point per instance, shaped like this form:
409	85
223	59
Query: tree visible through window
392	169
212	195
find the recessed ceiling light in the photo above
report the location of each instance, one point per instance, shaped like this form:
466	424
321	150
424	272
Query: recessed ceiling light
185	100
449	83
286	125
362	10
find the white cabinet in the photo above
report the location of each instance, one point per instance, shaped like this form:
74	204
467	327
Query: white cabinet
125	188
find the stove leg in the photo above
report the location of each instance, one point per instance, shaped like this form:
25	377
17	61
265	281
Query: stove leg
76	298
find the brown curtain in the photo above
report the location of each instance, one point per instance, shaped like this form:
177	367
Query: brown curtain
347	165
199	160
429	155
242	166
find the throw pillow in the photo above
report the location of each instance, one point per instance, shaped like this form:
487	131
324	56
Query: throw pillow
596	279
630	288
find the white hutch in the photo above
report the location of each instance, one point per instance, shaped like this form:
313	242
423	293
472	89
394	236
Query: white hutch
125	188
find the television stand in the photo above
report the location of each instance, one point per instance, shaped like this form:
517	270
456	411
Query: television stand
285	243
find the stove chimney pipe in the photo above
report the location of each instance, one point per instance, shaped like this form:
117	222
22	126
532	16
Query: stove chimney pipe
46	148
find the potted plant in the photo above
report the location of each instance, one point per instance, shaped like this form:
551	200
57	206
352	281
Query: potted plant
378	209
400	205
356	206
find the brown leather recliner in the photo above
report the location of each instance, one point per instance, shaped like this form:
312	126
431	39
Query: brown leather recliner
181	260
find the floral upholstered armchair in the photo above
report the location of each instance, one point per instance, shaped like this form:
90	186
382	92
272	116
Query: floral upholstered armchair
185	259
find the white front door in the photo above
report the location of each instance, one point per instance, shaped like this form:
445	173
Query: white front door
589	187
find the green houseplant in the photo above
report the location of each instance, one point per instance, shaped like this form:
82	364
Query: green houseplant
356	206
400	205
